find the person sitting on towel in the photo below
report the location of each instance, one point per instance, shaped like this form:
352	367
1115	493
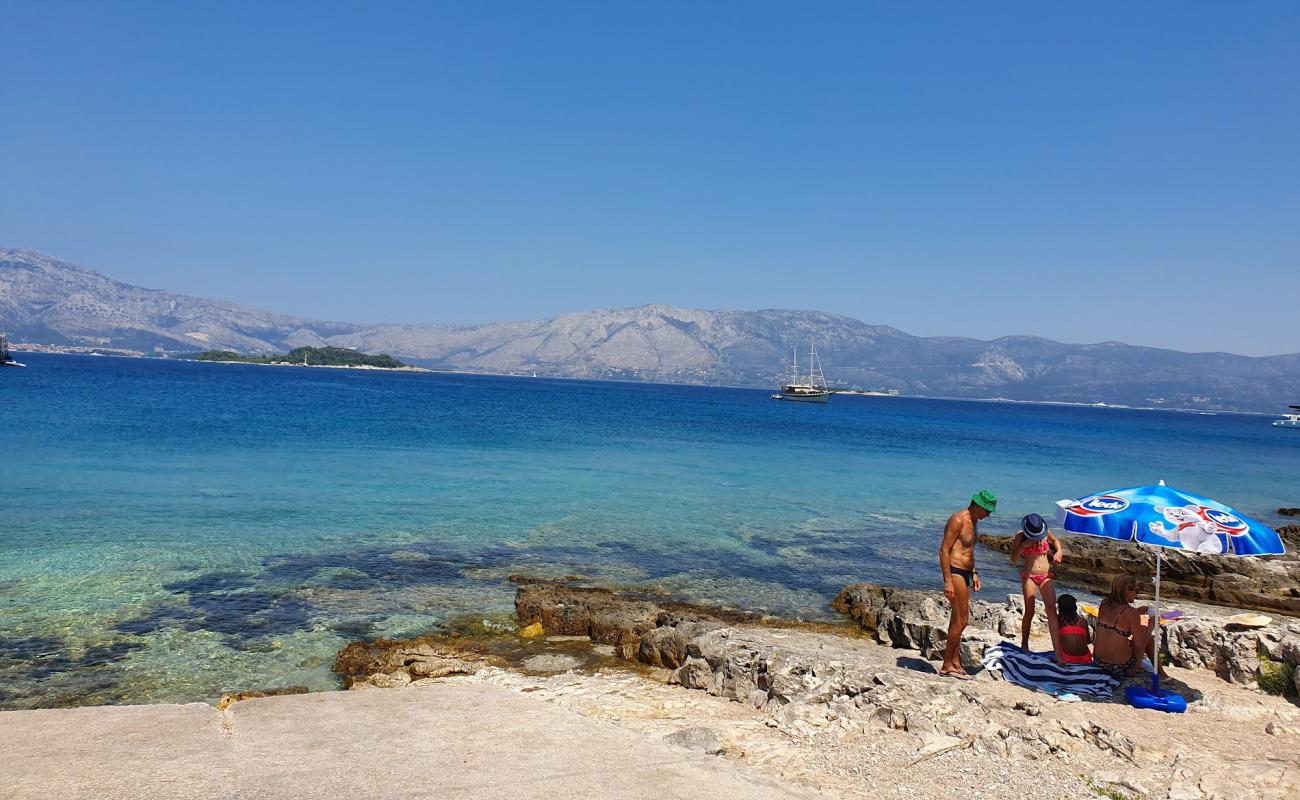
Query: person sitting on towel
1121	637
1074	634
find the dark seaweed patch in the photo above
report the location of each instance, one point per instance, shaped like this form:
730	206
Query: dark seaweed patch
211	582
42	672
364	568
104	654
159	618
35	656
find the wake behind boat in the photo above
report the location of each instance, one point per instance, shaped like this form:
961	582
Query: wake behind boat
7	360
810	388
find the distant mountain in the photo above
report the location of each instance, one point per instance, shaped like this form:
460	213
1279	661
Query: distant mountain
48	301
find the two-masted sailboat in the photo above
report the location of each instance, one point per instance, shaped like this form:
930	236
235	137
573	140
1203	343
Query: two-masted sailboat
7	360
809	388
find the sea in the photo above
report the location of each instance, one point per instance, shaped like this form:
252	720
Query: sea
173	530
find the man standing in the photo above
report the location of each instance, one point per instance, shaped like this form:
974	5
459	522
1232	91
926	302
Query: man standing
957	560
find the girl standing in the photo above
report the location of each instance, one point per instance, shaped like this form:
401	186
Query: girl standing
1039	550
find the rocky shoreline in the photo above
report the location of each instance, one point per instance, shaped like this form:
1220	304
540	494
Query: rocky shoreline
852	710
872	685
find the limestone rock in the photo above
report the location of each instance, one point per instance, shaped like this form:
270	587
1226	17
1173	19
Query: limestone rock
695	673
697	740
389	680
918	620
605	616
1114	779
388	663
551	662
532	631
231	698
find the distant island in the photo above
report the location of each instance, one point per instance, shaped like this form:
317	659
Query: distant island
311	357
49	303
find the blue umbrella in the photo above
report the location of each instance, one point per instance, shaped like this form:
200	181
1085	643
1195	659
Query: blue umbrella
1165	517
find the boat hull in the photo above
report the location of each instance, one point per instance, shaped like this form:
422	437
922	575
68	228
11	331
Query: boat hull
820	397
1286	423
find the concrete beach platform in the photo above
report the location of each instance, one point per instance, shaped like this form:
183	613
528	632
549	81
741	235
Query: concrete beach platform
450	740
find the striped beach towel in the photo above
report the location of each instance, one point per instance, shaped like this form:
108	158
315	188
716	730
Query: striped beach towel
1040	671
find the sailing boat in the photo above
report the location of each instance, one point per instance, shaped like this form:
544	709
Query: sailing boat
7	360
810	388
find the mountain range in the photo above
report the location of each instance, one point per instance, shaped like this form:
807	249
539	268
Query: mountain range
47	301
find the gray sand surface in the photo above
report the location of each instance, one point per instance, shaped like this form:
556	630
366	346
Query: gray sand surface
448	741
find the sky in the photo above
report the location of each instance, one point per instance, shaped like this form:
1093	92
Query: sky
1084	172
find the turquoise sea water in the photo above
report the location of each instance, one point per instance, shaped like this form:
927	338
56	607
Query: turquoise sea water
173	530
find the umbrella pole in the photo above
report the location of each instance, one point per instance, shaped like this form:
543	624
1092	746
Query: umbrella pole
1155	615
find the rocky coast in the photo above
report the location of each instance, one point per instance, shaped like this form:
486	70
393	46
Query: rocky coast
859	711
614	694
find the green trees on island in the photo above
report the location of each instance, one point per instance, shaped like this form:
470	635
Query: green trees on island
311	356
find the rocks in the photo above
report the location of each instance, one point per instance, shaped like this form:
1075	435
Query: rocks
1267	583
1288	512
1115	780
227	700
697	740
604	616
551	662
1290	535
532	631
1233	779
1202	640
919	620
388	663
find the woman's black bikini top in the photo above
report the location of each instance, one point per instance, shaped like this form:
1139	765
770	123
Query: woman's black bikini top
1112	628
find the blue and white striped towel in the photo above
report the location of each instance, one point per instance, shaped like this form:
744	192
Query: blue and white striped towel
1040	671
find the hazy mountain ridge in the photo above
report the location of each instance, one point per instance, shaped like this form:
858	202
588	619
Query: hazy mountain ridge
49	301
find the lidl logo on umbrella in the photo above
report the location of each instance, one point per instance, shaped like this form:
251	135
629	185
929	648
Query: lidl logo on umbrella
1099	505
1229	523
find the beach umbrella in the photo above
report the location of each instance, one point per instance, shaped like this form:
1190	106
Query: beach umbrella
1164	517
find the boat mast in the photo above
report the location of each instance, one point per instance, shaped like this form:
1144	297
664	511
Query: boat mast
815	375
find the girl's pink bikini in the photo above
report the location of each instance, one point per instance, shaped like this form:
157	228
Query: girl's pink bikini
1029	551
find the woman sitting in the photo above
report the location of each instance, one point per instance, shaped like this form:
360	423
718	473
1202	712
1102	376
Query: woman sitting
1121	638
1074	634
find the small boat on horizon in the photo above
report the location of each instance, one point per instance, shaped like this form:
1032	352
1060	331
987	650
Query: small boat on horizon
7	360
1289	420
810	388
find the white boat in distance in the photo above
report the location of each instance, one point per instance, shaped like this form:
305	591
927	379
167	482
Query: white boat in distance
810	388
1291	420
7	360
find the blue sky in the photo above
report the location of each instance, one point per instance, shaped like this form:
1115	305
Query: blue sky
1079	171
